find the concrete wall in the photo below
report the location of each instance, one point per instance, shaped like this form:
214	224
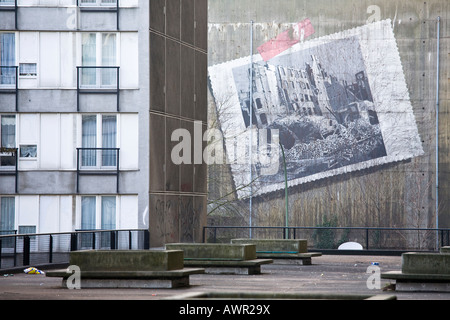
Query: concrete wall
395	194
178	99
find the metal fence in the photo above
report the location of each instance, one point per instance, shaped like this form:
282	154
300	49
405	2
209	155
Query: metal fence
330	238
54	248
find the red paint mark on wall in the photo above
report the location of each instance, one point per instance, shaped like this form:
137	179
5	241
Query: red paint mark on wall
287	39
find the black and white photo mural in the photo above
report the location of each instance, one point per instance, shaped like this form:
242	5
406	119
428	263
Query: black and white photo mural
335	104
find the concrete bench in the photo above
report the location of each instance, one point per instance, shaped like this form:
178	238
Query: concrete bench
128	269
422	272
281	249
221	258
445	250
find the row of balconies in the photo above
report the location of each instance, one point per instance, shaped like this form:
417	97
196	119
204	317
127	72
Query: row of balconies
90	80
68	14
90	162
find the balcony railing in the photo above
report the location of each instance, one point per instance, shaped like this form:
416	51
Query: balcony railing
9	82
21	250
98	80
9	164
98	161
100	6
11	6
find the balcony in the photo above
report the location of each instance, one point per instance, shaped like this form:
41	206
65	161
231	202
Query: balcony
9	164
98	162
98	80
9	83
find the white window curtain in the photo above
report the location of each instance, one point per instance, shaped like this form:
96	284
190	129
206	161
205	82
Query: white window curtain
6	2
108	213
99	50
8	139
109	76
8	131
88	58
7	59
7	215
109	138
88	205
89	140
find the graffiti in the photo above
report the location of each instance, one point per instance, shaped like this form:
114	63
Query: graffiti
177	218
340	104
287	39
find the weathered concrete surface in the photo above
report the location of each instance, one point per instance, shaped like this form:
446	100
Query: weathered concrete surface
140	260
329	273
276	245
400	194
215	251
426	263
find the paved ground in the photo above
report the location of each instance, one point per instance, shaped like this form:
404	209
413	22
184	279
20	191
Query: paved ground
328	274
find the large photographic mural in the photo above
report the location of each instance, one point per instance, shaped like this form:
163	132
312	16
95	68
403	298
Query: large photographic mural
335	104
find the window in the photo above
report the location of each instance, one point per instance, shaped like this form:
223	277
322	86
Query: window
28	70
96	137
7	2
27	230
7	59
99	50
28	151
7	215
7	220
98	211
98	2
8	139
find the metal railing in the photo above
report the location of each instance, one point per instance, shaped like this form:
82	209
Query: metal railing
54	248
373	239
98	161
9	82
9	165
98	80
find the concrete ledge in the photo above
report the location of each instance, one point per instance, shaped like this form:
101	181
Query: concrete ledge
215	251
445	250
281	250
128	269
127	260
277	296
425	263
131	279
221	258
422	272
276	245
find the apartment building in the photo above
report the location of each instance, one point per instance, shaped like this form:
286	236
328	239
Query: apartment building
75	113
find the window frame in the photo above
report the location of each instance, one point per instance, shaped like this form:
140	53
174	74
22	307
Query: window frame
99	141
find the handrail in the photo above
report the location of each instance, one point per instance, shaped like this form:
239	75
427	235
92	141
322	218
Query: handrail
291	232
45	248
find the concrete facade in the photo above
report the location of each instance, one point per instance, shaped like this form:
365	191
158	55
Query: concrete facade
396	194
178	74
50	108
